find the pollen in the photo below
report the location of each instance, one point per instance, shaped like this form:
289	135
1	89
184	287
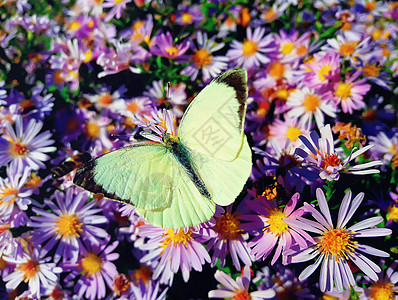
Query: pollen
91	264
330	160
29	269
7	192
92	130
69	226
177	239
58	77
382	291
324	72
348	48
18	149
133	107
392	213
270	15
121	284
276	224
201	58
186	18
311	103
105	99
277	70
343	90
74	25
293	133
172	51
249	48
287	48
241	295
395	161
337	242
34	181
371	70
228	226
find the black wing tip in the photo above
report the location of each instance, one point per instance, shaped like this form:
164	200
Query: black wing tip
237	79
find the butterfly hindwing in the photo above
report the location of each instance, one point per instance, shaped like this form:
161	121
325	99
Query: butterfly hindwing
213	123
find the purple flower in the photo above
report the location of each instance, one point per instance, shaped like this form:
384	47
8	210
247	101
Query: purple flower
70	221
24	147
163	45
239	289
335	246
95	268
171	250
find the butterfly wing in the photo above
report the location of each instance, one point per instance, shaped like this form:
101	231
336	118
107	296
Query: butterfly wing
213	123
148	176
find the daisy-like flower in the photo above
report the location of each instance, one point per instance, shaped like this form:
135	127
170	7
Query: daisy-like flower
140	31
253	51
33	268
385	287
171	250
350	49
163	45
385	147
13	191
9	245
267	223
335	246
24	147
71	219
226	236
239	288
203	60
3	93
290	46
306	104
149	291
95	129
349	93
271	13
320	154
287	129
95	268
189	14
106	99
117	7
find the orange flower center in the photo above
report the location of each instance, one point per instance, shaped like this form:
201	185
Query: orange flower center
186	18
276	70
201	58
228	227
336	242
382	291
29	269
330	160
144	274
7	192
91	264
105	99
92	130
18	149
249	48
121	283
348	48
69	226
133	107
371	70
241	295
311	102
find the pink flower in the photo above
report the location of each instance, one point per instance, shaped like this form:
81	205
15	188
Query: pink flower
163	45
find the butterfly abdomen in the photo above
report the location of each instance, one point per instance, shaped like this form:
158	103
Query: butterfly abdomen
182	155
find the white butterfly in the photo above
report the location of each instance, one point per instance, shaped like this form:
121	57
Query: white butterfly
177	181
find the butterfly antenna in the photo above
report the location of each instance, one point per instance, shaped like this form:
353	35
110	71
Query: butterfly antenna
121	136
168	92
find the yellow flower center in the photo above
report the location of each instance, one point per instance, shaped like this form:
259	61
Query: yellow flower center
330	160
34	181
382	291
293	133
118	1
392	213
92	130
348	48
201	58
88	55
283	94
336	242
7	191
91	264
228	227
371	70
249	48
176	239
133	107
105	99
138	25
376	34
323	72
241	295
18	149
276	70
186	18
74	25
69	225
311	102
29	269
276	224
370	5
395	161
343	90
172	51
287	48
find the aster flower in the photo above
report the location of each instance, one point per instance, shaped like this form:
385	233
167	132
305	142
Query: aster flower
335	246
163	45
116	6
13	192
202	58
349	93
104	98
33	268
95	129
385	286
349	48
24	147
290	46
290	129
9	246
226	236
385	147
95	268
306	104
171	250
140	31
267	223
239	288
252	52
70	221
319	153
149	292
189	14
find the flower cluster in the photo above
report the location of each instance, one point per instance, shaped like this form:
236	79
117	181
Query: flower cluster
81	78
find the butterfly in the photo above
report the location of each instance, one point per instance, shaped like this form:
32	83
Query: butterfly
177	180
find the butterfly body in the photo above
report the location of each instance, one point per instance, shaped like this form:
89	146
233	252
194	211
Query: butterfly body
178	180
